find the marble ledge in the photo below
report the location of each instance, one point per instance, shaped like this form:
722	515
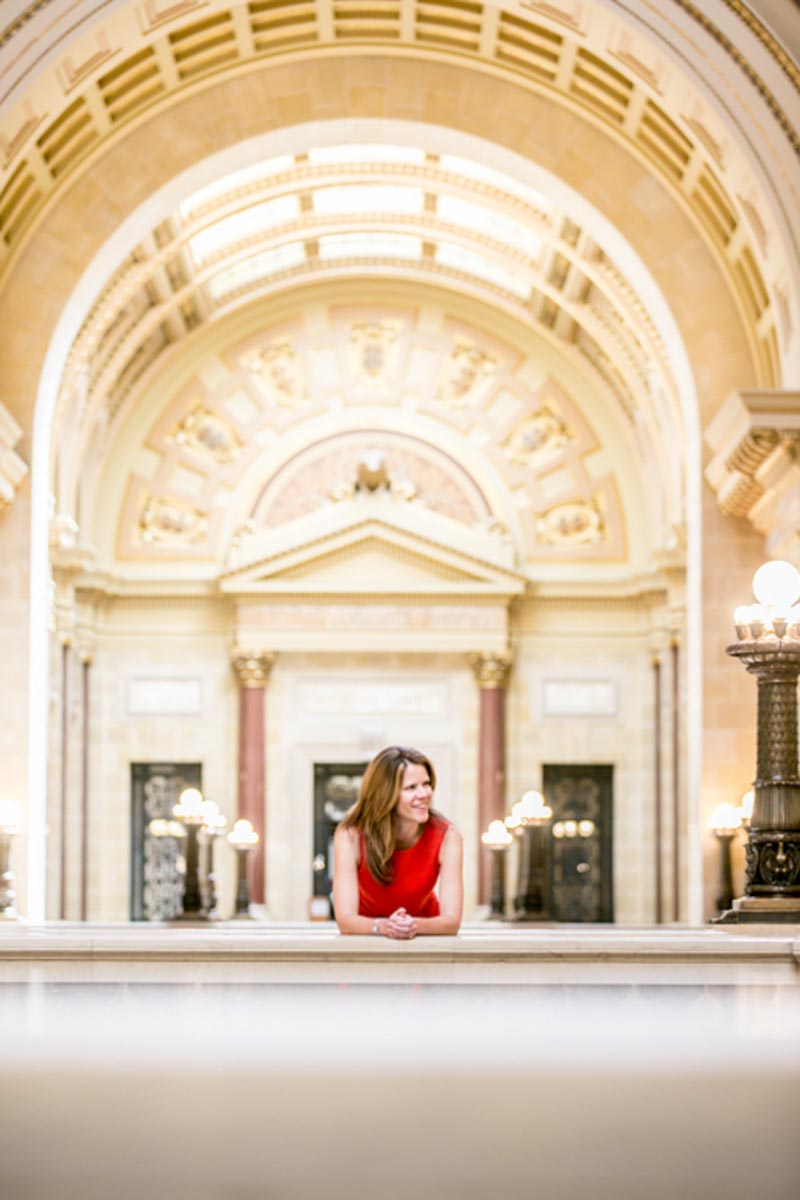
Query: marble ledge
484	942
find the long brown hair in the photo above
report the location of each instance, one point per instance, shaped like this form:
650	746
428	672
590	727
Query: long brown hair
373	812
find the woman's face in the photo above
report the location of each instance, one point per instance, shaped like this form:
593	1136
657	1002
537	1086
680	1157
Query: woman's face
415	795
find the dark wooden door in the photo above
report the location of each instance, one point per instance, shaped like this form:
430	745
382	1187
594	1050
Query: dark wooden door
580	883
156	877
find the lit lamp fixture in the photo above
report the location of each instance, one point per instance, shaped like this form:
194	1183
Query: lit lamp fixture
189	811
768	643
497	839
533	816
214	824
573	829
8	895
244	840
724	822
160	827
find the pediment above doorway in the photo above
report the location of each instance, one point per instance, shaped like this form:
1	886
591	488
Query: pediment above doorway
372	554
373	585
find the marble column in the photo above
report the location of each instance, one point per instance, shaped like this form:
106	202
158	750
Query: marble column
253	671
491	672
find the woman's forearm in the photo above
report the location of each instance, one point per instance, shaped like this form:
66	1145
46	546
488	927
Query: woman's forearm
440	925
358	924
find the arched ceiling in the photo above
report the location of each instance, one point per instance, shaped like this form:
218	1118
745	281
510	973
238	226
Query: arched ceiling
622	67
379	209
710	127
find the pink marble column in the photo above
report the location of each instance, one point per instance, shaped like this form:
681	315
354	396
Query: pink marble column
253	672
491	673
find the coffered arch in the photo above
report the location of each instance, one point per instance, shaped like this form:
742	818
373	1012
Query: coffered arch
676	94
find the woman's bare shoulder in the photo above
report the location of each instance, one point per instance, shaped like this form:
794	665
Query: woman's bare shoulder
347	835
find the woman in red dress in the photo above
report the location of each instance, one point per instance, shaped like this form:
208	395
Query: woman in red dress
390	851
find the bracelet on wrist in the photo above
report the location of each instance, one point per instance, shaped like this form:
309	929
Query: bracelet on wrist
376	925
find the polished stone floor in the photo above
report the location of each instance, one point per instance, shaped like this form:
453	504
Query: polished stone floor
423	1091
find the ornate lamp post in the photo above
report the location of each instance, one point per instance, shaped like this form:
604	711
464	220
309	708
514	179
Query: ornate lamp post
244	840
724	822
533	816
189	811
8	895
497	839
768	643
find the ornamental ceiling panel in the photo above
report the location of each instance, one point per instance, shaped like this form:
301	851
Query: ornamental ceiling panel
394	407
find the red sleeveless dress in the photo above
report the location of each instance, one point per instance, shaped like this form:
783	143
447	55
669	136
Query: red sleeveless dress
415	872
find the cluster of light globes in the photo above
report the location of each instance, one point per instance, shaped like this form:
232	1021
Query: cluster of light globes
193	809
776	587
530	809
727	819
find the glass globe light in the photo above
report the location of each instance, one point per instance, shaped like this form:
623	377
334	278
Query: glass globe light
190	806
242	835
777	583
531	807
724	819
497	837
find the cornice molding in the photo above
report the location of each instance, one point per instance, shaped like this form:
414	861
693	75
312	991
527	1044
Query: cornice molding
740	10
773	47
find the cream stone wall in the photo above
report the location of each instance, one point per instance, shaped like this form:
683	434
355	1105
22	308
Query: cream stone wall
333	707
732	552
603	641
151	640
14	592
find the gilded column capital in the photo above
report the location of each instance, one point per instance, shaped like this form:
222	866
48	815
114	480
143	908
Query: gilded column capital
253	669
491	670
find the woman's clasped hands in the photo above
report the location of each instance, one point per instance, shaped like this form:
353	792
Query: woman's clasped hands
400	925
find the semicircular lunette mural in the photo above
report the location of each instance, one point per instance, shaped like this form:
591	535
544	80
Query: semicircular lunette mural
433	413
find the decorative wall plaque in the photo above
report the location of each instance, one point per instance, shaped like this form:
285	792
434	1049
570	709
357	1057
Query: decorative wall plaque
577	523
203	430
168	521
538	435
467	367
371	341
280	370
